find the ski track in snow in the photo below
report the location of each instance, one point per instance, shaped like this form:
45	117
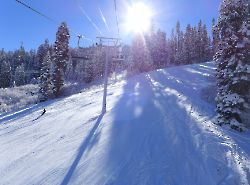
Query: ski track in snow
157	131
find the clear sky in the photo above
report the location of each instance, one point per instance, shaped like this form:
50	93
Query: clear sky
21	25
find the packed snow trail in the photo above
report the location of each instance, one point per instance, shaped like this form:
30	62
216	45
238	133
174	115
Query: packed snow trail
157	131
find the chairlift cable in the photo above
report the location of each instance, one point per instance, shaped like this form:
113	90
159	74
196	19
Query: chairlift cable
48	18
117	21
37	12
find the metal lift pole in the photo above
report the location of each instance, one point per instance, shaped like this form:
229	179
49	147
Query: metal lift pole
110	43
104	101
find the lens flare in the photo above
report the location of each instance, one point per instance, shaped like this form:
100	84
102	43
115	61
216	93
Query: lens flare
138	18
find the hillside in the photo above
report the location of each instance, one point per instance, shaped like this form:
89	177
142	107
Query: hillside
158	130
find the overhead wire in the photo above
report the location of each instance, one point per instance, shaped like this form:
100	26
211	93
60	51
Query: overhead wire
48	18
117	21
85	14
103	18
39	13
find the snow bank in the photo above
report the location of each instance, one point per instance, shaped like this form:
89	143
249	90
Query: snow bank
18	97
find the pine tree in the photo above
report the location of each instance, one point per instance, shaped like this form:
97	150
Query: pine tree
187	45
172	48
199	41
5	74
140	56
216	38
205	50
21	55
19	75
194	54
179	39
45	87
30	66
151	47
161	49
60	57
89	71
41	54
98	62
178	35
232	59
156	48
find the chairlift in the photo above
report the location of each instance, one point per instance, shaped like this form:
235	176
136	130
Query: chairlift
79	38
119	56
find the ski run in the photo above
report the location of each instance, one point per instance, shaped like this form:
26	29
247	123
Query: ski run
158	130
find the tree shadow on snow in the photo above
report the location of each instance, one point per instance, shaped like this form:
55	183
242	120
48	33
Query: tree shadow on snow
154	136
81	150
144	142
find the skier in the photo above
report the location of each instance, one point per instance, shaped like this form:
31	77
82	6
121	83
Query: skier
43	112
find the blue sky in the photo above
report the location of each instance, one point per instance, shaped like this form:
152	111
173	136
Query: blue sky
19	24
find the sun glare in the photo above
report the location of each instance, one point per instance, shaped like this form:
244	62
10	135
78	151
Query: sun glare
138	17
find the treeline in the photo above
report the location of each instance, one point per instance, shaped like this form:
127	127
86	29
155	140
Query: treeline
51	65
45	67
150	51
17	68
154	50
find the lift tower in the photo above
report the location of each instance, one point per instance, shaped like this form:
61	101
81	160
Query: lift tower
108	44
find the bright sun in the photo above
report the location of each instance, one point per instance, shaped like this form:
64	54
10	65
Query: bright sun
138	18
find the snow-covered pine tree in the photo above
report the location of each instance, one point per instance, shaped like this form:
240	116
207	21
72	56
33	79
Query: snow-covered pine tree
89	70
187	45
19	75
194	40
41	54
60	57
98	62
161	49
21	55
211	51
45	87
179	44
199	36
172	47
205	52
30	77
232	59
156	48
5	74
140	55
216	38
151	46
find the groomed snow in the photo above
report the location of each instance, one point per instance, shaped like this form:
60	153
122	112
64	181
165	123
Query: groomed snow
157	131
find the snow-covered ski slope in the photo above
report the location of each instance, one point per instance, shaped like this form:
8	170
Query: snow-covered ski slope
157	131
